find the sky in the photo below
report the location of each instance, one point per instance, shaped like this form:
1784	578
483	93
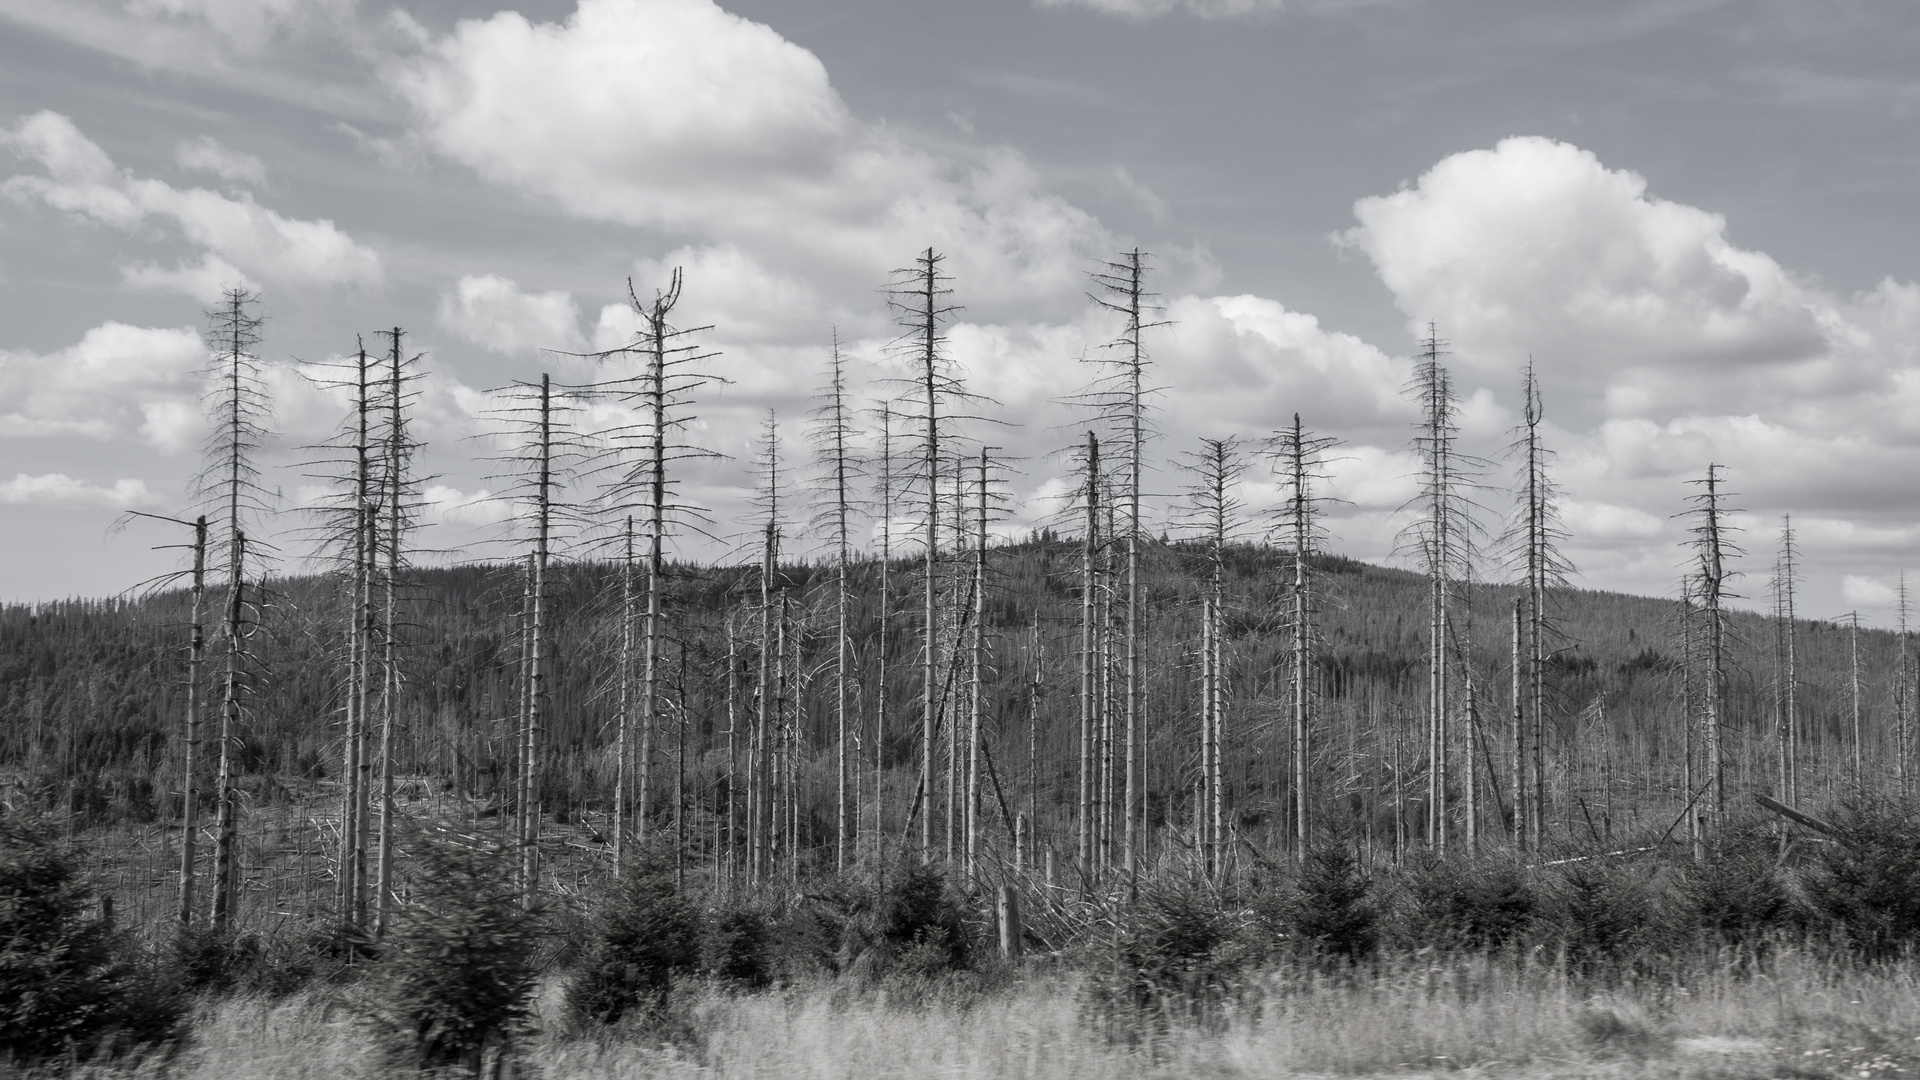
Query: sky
1694	219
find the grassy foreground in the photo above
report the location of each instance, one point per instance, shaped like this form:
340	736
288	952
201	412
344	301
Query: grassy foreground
1799	1017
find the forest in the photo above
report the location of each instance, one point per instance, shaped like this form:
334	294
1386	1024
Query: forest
1175	750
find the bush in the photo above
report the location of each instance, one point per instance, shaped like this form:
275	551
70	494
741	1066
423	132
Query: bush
1867	886
645	934
1740	897
735	948
1329	910
456	970
918	924
1177	956
1480	905
1601	912
68	983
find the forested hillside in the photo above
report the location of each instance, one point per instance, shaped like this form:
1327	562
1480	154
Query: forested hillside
92	695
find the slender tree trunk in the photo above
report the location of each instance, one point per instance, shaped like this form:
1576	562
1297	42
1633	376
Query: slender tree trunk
623	734
390	624
190	767
1089	641
1516	739
536	655
226	834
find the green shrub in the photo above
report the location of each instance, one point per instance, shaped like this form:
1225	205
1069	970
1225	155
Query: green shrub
456	972
1600	913
736	949
1460	905
1177	956
918	923
1867	885
645	933
1330	909
68	983
1739	896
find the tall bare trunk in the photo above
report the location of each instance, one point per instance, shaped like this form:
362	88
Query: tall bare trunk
190	767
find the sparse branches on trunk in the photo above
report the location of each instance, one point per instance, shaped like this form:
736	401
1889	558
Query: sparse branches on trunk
1120	395
919	296
1712	547
663	372
1299	460
1442	539
763	814
1531	543
839	469
1785	583
539	465
229	483
1215	515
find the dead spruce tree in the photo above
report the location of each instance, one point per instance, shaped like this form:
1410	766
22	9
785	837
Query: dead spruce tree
1120	396
542	456
1215	517
1532	542
1299	462
919	296
839	469
364	525
196	578
1441	539
645	455
1090	635
1712	545
763	816
229	483
1903	703
398	507
1784	584
883	618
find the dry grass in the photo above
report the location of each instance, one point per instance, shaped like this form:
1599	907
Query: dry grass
1802	1018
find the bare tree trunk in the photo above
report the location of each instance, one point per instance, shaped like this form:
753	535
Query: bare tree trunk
390	682
1089	640
1853	649
622	744
977	652
884	619
226	833
1516	744
536	655
190	768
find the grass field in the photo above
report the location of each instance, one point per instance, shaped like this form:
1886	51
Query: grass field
1799	1016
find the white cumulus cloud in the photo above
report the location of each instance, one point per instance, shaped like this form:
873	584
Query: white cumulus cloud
117	381
231	232
61	489
206	154
493	312
677	114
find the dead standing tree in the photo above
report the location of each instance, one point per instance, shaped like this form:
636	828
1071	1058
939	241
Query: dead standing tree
919	296
1214	516
1785	583
1120	396
1442	540
539	463
839	467
1299	459
763	817
645	454
1532	542
230	482
1712	547
399	504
